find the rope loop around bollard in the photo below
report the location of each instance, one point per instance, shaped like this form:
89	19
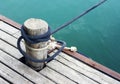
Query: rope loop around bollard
37	39
34	59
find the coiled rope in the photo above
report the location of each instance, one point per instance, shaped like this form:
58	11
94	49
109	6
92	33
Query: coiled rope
46	36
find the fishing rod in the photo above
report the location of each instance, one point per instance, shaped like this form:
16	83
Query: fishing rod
74	19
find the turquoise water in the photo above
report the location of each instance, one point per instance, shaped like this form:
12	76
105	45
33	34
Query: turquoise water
96	35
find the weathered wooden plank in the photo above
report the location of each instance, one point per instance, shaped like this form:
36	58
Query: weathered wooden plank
90	71
70	73
10	49
7	28
94	64
9	21
12	76
17	34
8	38
2	81
85	69
23	69
55	76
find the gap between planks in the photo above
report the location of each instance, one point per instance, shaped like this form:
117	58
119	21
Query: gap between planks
70	73
2	81
7	40
23	69
12	76
84	69
55	76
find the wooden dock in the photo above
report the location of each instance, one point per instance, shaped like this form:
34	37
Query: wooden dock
65	69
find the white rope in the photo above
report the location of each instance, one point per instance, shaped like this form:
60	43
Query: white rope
52	44
34	49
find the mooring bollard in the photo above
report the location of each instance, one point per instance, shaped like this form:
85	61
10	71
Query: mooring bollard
39	50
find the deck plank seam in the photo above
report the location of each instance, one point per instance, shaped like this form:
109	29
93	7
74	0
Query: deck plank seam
17	72
43	79
73	68
71	61
76	64
90	66
11	45
71	56
5	78
14	57
7	33
48	78
15	46
10	22
8	43
78	72
9	54
12	68
10	33
97	66
14	34
18	60
82	68
57	77
62	74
